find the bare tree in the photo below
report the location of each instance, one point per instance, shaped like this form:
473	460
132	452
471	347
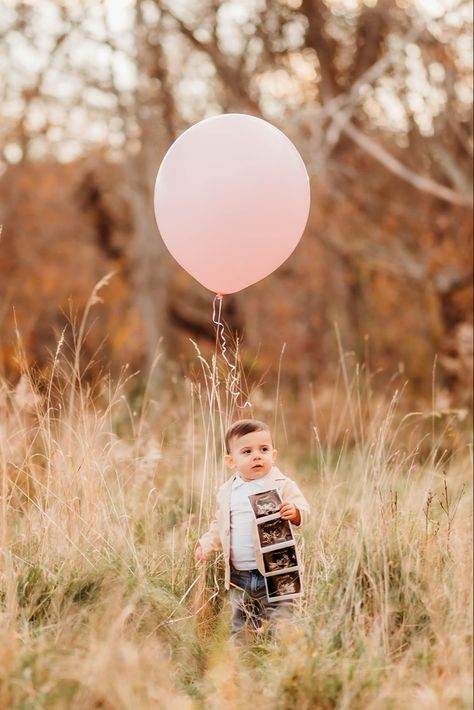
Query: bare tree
376	97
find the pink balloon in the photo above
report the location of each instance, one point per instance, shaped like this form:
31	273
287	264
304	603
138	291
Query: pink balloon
231	200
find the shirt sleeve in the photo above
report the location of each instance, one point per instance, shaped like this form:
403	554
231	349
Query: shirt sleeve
293	494
211	540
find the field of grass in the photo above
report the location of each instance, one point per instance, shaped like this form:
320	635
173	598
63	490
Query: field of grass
103	498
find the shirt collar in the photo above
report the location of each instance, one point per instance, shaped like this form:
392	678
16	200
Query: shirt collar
261	482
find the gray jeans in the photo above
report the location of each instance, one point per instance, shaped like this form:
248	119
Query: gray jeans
250	606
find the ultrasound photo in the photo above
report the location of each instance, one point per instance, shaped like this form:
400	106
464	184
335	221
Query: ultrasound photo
284	585
265	503
281	559
273	532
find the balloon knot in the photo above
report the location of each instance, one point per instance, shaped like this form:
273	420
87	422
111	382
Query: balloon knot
220	296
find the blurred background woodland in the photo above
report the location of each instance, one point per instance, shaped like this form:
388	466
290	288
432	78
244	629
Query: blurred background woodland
377	97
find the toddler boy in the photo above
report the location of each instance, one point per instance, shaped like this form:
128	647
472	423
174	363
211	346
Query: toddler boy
250	452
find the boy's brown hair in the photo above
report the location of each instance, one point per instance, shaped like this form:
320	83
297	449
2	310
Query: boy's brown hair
242	427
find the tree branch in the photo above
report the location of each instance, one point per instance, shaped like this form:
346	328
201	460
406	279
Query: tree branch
395	166
345	103
231	77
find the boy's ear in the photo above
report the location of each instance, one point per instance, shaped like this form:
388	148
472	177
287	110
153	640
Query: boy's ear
274	455
229	460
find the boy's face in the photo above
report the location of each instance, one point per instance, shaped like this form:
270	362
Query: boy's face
252	455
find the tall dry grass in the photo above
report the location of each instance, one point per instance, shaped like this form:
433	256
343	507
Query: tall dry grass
103	498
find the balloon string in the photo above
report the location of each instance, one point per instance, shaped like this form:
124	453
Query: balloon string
234	379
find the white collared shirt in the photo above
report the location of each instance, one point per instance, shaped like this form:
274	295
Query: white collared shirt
242	552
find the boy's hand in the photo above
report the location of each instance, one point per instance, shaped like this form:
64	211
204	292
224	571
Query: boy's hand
289	511
198	555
